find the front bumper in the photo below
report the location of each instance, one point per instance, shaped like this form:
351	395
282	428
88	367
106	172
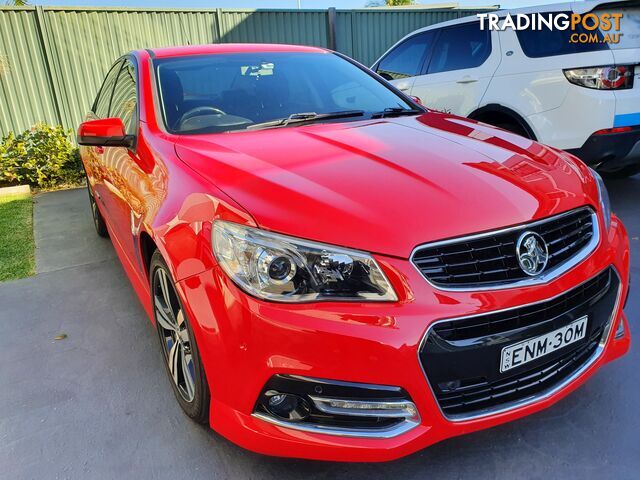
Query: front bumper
244	342
611	152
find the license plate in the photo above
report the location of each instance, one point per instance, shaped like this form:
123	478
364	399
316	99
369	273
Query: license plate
529	350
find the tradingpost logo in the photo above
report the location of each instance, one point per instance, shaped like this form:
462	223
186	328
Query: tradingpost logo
584	28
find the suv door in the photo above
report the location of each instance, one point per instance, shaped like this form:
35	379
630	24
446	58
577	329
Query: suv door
457	75
402	63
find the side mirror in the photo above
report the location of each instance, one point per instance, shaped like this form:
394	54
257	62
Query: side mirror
107	132
417	100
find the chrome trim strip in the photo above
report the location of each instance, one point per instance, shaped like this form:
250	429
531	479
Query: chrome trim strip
543	278
393	409
367	386
606	334
373	433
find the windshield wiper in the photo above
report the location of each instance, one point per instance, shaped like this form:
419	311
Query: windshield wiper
396	112
305	117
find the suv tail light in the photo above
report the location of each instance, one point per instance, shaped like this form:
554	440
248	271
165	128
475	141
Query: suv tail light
615	77
607	131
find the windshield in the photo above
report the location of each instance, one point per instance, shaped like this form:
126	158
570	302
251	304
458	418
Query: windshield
227	92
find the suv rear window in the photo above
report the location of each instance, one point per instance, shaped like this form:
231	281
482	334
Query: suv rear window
549	43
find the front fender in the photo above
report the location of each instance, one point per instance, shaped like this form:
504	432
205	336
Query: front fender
185	240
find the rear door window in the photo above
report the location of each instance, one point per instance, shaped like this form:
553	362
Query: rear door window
460	47
406	59
124	102
103	100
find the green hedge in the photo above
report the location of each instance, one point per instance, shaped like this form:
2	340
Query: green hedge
42	157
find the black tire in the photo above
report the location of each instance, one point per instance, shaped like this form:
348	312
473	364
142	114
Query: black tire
98	221
625	172
178	344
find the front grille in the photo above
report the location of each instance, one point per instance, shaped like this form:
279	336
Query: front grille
485	394
461	357
490	259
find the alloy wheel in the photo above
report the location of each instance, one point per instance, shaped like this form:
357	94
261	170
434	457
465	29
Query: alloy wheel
94	209
174	335
98	221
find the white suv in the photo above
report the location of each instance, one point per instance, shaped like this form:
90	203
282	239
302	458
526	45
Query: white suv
583	98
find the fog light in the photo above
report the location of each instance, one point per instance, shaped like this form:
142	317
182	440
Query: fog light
336	407
287	406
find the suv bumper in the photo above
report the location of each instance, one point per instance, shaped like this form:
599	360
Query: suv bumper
611	152
244	342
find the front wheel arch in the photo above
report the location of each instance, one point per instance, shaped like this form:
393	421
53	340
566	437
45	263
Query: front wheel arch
147	249
198	406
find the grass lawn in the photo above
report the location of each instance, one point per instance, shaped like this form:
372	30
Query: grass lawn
17	258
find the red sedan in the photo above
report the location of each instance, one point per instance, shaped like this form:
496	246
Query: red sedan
334	271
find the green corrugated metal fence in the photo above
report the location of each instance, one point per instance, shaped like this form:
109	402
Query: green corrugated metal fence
26	93
53	59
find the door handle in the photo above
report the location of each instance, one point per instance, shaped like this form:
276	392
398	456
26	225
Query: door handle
467	79
404	89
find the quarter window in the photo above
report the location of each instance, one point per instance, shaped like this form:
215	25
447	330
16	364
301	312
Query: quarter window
124	103
459	47
549	43
407	58
103	100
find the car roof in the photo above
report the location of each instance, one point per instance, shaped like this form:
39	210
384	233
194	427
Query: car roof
229	48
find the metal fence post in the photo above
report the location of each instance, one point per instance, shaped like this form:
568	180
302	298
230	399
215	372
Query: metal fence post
331	28
43	39
219	24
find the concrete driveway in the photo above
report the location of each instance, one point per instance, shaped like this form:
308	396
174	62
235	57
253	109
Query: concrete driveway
98	405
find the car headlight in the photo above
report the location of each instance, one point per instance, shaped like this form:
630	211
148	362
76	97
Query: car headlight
285	269
603	193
